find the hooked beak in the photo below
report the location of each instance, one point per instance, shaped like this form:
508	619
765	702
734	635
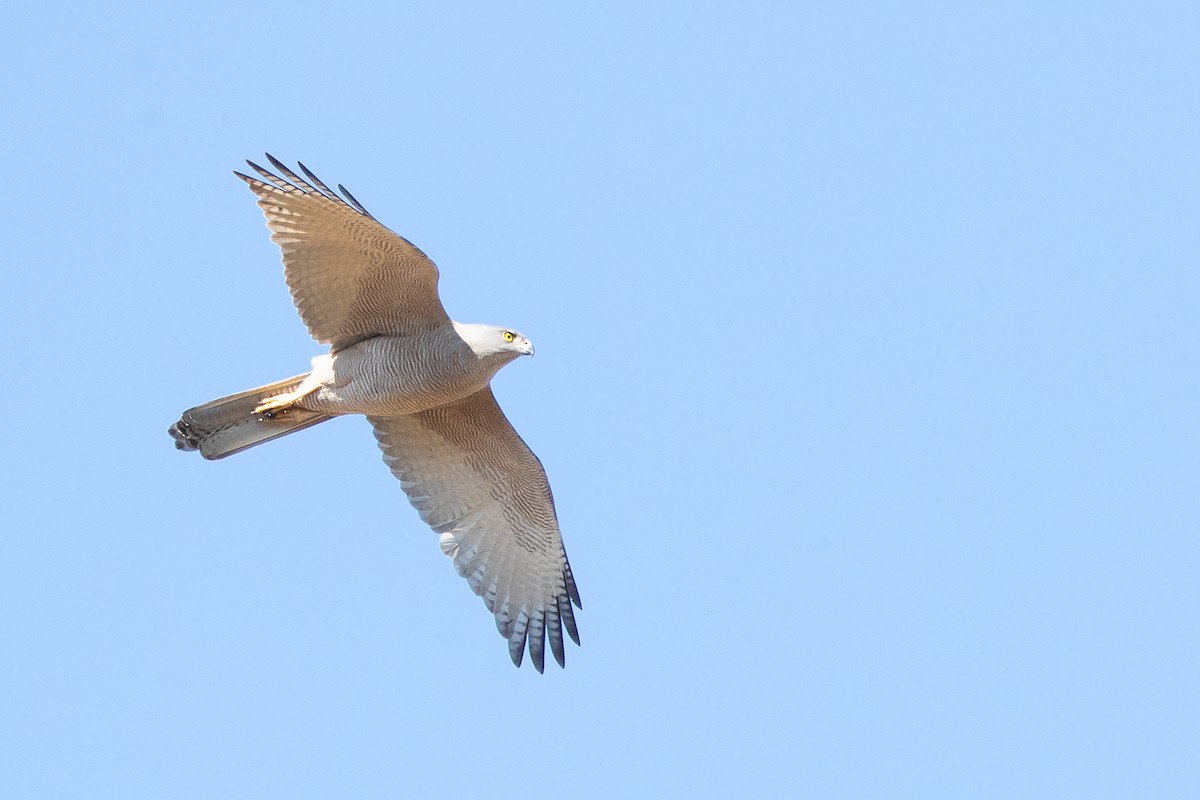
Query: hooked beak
526	347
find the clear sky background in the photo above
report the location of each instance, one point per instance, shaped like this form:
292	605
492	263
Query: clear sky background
866	382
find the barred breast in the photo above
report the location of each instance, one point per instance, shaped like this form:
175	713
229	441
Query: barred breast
395	375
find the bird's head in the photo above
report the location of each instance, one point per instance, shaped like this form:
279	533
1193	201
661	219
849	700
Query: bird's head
493	340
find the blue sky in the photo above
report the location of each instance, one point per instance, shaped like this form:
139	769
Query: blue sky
866	382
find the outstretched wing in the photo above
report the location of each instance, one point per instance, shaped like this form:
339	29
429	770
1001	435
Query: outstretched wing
351	278
476	483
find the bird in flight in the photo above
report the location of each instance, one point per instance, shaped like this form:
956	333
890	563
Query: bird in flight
424	383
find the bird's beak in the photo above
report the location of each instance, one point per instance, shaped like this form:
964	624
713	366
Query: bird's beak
527	347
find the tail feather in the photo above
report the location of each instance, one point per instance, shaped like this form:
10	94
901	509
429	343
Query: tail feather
229	425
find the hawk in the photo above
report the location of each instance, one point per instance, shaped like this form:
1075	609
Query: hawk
424	383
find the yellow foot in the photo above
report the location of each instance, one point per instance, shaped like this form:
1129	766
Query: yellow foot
280	403
276	403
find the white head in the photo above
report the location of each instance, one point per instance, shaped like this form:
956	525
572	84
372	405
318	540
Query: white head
492	340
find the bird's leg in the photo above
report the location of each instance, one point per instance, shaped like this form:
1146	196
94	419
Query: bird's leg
270	406
279	402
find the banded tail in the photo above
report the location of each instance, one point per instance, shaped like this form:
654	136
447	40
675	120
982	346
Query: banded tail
229	425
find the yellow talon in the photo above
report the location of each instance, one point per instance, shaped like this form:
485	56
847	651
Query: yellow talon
273	403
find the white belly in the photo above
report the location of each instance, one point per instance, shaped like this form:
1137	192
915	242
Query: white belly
390	376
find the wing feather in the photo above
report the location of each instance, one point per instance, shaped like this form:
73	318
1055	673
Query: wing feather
350	277
474	481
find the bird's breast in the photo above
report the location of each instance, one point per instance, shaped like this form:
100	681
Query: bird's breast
394	375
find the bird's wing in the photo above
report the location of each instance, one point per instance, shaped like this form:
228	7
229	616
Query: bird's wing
475	482
351	278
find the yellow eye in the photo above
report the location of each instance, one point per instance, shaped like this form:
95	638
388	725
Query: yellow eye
508	336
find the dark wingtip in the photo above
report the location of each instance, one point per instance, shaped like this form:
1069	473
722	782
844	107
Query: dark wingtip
560	655
354	202
516	651
569	579
257	168
567	616
538	655
320	184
